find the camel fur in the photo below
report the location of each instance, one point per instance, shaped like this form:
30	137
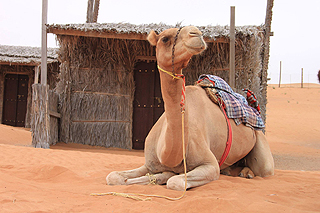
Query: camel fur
205	128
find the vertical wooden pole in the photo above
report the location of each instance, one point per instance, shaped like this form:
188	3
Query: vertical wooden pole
232	48
44	43
90	11
96	11
36	74
301	77
280	74
41	120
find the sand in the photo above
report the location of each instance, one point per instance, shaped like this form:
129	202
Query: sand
61	179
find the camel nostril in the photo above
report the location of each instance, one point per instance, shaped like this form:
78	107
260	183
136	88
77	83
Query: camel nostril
194	34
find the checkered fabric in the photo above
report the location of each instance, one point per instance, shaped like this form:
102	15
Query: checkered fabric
236	105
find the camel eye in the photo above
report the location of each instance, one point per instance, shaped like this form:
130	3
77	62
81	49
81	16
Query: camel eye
165	39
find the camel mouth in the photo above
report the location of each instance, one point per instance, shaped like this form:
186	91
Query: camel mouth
196	46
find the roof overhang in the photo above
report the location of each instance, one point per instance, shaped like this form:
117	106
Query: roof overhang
18	63
115	31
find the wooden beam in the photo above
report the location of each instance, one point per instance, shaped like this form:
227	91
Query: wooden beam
217	40
226	69
18	63
101	93
146	58
54	114
129	36
232	48
132	36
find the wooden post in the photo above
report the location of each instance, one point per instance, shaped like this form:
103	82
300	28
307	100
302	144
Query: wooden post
36	74
232	48
40	124
44	43
301	77
40	117
280	74
90	11
96	11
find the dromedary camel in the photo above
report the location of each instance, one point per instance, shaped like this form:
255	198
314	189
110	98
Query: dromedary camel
204	127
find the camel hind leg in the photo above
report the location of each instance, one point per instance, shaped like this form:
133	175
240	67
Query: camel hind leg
238	169
260	159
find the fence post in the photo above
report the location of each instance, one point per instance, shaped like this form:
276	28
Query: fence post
280	74
301	77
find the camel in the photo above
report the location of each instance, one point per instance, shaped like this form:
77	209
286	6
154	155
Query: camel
205	128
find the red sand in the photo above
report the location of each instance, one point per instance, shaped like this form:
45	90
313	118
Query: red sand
61	179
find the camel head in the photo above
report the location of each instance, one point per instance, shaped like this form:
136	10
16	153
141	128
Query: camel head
189	42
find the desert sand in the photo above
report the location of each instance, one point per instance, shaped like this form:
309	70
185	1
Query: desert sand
61	179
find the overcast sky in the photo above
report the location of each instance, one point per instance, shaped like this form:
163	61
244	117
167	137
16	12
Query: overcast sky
295	24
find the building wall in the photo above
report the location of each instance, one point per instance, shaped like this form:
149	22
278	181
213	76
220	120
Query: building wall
96	85
96	91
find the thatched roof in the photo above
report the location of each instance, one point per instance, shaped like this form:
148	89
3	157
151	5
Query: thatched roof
140	32
25	55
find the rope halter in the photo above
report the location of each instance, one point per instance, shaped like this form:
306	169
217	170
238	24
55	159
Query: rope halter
177	76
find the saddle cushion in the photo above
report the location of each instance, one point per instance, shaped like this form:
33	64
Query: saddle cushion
236	105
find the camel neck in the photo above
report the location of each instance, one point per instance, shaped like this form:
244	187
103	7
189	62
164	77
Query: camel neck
171	147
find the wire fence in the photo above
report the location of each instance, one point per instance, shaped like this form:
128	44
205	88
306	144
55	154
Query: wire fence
292	79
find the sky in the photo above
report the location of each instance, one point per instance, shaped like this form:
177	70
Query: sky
295	24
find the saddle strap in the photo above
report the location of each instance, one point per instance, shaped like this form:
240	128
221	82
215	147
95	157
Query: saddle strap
229	139
209	87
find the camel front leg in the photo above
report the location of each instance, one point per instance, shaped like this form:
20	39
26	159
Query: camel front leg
199	176
121	178
159	179
137	176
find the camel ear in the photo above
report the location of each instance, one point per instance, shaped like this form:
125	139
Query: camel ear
153	38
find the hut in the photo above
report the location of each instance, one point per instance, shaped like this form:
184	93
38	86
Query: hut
109	88
19	68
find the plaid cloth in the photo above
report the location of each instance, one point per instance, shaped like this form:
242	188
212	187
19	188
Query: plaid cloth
237	106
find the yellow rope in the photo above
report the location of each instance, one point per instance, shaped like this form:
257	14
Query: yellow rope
169	73
121	195
152	179
135	195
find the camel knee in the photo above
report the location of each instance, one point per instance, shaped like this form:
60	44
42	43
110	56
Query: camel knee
261	167
114	178
199	176
260	159
268	169
176	183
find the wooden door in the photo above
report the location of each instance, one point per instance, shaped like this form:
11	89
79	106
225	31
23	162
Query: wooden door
148	104
15	100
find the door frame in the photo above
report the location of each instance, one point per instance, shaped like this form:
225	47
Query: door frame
4	94
153	110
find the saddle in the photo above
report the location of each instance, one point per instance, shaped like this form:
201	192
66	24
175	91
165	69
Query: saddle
241	109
